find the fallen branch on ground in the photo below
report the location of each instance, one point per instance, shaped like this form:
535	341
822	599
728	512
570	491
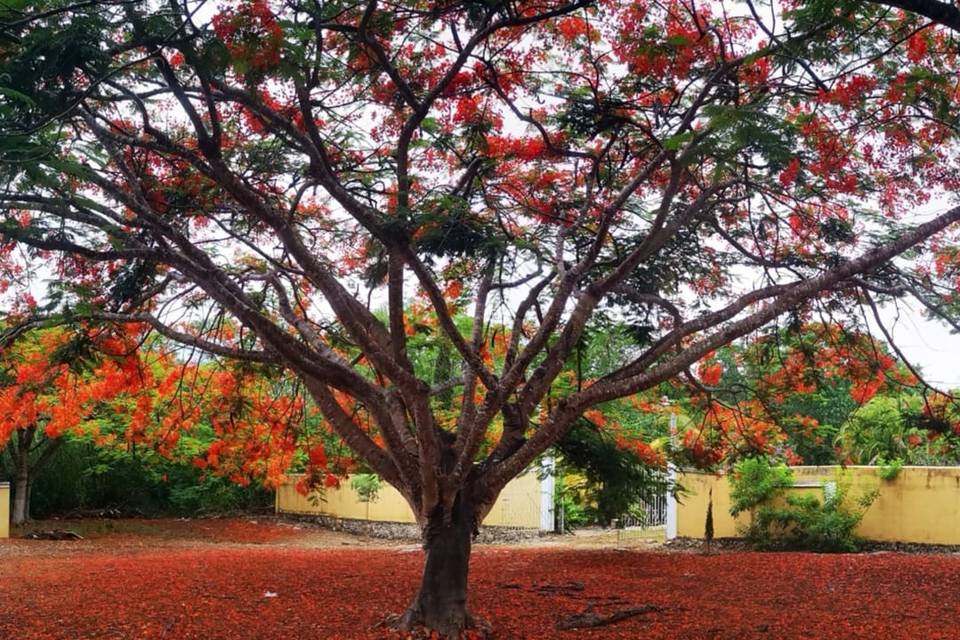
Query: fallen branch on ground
566	588
54	534
589	619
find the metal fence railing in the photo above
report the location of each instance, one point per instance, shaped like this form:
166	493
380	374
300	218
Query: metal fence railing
640	526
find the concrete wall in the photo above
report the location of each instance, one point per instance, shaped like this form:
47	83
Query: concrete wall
4	509
517	506
922	504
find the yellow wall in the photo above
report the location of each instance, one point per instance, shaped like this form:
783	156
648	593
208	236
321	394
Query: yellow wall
517	506
922	504
4	510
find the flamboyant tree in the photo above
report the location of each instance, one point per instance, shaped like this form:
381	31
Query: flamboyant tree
107	387
55	383
238	420
259	180
787	393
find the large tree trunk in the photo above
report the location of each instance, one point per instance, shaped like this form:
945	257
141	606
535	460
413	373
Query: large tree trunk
441	603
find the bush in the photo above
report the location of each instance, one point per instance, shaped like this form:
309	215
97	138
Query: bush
193	494
367	486
567	502
808	524
889	470
801	522
756	481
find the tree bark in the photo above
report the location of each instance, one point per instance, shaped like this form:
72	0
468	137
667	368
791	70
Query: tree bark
441	603
22	476
21	496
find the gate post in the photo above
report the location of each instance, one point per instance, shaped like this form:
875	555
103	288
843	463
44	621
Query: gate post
671	524
547	486
671	528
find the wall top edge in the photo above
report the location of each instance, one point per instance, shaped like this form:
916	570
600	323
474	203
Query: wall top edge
804	468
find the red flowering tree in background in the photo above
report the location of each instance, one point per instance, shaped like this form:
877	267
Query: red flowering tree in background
108	387
278	182
787	393
56	382
245	422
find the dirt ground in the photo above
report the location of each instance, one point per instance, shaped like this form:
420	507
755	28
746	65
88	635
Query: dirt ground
134	535
265	579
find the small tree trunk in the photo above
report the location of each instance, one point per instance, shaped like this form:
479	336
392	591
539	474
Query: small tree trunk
21	496
441	603
23	439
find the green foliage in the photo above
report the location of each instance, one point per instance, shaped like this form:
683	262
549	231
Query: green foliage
616	482
88	478
889	470
876	430
905	427
367	486
739	130
190	494
756	481
794	521
570	513
450	229
589	116
809	524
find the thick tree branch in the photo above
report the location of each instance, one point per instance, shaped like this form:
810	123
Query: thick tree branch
945	13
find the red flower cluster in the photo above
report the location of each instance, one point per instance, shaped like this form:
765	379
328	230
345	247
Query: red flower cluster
573	27
849	91
252	35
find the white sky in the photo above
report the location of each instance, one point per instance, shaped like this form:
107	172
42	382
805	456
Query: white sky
926	343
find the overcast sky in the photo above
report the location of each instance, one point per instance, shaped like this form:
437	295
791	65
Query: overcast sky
926	343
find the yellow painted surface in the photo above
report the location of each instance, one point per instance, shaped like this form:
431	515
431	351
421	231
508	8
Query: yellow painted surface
343	502
922	504
4	510
692	507
517	506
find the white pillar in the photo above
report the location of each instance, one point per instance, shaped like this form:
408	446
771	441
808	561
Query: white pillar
547	487
671	532
671	503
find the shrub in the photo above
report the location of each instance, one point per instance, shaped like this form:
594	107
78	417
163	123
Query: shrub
756	481
367	486
708	524
85	478
806	523
567	502
801	522
889	470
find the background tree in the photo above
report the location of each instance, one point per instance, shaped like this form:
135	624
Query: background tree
789	391
56	382
140	412
616	452
256	183
816	394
